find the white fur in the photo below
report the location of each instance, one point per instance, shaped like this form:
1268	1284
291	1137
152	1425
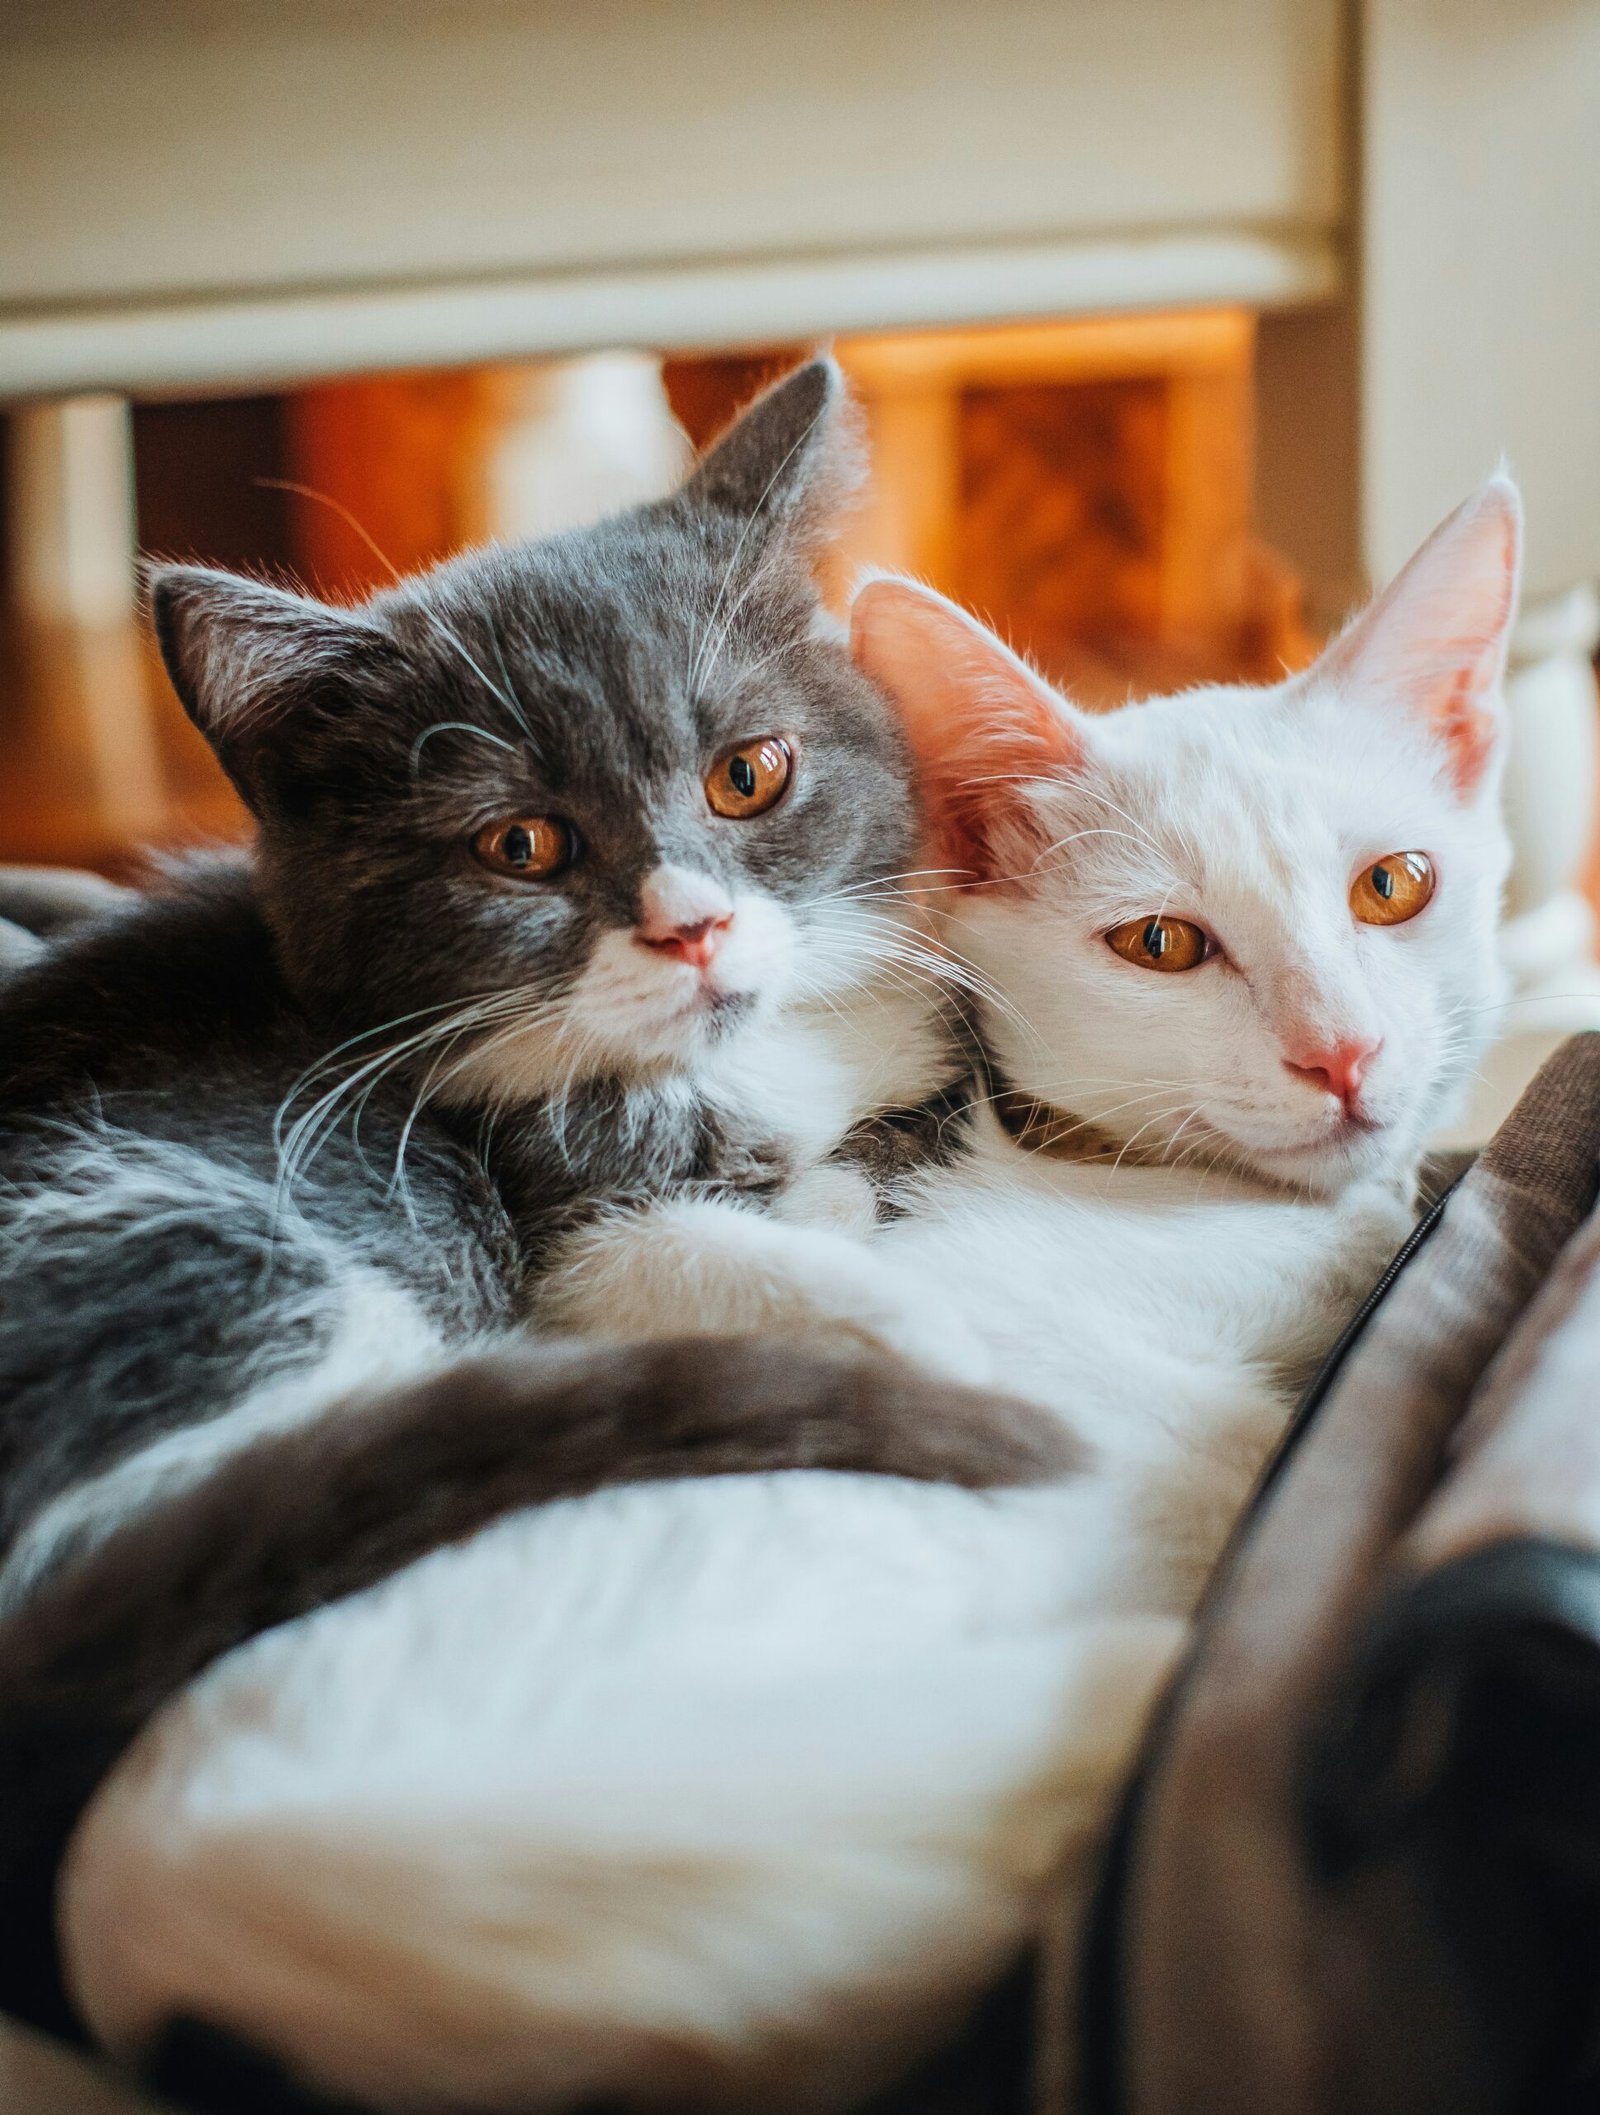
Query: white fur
639	1012
17	945
1253	815
731	1791
501	1834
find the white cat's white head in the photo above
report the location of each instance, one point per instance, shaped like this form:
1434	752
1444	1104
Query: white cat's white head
1252	926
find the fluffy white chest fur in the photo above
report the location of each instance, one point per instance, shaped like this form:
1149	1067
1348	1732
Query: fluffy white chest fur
729	1791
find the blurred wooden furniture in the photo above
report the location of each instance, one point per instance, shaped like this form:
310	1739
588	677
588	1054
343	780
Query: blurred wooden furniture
400	454
1087	485
1404	194
394	472
79	736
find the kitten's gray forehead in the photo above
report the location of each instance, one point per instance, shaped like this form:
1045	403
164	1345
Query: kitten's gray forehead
658	568
653	604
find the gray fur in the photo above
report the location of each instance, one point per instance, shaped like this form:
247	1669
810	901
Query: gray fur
158	1259
596	674
161	1264
46	900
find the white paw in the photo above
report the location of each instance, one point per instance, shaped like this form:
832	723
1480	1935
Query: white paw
830	1195
680	1268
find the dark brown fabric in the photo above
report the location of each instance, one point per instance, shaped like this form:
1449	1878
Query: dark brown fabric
38	2077
1527	1459
1246	1982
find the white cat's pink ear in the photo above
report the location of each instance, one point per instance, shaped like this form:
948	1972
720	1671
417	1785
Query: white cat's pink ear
982	726
1434	642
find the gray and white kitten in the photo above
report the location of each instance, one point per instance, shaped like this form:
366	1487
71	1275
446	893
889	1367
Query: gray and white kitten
552	844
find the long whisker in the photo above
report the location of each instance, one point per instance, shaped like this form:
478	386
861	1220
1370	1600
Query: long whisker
311	1130
435	1081
456	727
330	1057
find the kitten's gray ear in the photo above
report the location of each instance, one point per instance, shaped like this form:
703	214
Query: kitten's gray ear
260	671
790	462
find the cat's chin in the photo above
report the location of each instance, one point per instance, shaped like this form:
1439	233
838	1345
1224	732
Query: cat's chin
689	1034
1324	1165
632	1046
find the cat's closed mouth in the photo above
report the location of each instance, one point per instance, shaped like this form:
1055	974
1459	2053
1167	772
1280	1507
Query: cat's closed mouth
1349	1139
713	1002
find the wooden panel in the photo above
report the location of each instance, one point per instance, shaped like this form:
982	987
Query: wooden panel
395	472
1087	487
705	392
1063	501
1101	349
205	478
186	181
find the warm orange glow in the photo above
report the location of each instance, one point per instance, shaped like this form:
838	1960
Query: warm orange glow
1086	486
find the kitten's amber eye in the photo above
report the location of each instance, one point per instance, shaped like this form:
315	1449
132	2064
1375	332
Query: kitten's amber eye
527	847
1160	943
1393	889
750	779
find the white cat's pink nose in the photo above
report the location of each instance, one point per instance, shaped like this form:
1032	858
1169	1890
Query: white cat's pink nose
1340	1070
683	916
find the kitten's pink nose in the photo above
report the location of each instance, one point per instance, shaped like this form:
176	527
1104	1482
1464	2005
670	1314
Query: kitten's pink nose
695	944
1339	1070
685	917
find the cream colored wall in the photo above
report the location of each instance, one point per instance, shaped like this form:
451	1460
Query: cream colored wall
1480	270
479	178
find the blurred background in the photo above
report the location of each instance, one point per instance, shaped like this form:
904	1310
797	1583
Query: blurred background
1175	323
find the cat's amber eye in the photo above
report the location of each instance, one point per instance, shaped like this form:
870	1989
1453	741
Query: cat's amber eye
527	847
1161	943
750	779
1393	888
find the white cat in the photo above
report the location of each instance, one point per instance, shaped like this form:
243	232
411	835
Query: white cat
731	1792
1234	957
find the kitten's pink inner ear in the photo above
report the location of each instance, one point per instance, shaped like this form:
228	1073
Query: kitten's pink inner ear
1435	640
982	725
